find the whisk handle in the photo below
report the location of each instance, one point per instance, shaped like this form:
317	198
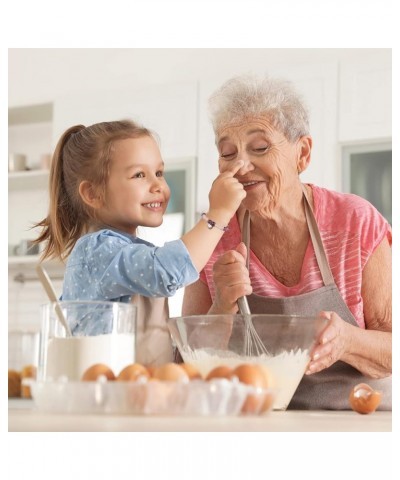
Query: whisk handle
243	304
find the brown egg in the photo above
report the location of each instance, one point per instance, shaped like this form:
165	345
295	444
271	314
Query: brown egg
252	374
150	369
95	371
132	372
191	371
29	371
170	372
220	372
364	399
269	397
268	375
14	384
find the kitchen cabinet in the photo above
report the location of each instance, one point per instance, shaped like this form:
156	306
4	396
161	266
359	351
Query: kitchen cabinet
365	106
30	130
27	204
30	134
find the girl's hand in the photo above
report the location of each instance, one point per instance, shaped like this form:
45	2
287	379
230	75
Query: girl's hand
231	280
332	344
226	194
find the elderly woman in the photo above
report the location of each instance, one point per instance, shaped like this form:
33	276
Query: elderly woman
313	250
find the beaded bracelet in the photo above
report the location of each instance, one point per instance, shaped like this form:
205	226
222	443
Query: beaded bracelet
211	224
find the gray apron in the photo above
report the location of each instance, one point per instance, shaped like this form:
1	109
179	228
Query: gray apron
330	388
153	340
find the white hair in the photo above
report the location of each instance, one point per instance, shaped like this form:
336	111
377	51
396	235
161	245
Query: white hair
249	96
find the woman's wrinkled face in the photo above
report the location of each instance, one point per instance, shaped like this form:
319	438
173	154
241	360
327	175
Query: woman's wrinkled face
270	162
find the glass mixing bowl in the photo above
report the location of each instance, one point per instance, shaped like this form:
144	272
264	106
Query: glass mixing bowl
282	343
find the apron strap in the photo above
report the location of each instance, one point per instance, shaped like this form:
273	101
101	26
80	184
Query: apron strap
246	236
316	240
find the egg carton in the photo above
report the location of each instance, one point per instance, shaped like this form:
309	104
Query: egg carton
217	397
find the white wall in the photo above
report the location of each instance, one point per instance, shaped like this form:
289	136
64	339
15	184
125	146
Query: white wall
41	75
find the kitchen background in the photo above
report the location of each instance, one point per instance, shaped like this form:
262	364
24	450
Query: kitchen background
348	92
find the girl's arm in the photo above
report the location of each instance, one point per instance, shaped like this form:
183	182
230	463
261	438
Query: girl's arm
225	196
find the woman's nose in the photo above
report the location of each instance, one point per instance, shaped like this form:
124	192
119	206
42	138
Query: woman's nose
247	165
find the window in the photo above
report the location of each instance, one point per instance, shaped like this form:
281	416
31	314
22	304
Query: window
367	172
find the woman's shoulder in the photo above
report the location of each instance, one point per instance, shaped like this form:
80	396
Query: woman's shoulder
347	212
333	205
325	198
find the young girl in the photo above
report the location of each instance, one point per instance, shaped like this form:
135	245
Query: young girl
106	180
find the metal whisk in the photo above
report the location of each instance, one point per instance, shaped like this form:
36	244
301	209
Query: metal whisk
254	346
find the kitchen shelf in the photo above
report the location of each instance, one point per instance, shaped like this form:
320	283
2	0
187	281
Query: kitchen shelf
28	114
31	179
22	267
30	260
23	259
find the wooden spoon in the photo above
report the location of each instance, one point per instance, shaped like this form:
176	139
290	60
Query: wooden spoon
48	286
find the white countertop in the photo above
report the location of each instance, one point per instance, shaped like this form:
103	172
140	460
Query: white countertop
22	417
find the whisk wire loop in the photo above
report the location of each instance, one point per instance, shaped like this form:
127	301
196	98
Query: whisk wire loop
254	346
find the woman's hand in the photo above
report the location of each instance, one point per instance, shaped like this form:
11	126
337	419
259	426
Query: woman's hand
332	344
231	280
367	350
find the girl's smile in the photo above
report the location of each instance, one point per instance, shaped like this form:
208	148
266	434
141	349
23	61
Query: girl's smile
137	193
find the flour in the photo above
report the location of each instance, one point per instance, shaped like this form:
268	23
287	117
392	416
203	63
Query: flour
287	368
71	356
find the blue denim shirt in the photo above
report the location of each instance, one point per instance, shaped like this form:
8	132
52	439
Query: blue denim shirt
113	265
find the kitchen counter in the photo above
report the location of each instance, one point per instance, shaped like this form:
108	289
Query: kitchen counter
22	417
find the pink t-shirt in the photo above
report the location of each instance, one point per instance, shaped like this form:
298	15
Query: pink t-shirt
351	229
